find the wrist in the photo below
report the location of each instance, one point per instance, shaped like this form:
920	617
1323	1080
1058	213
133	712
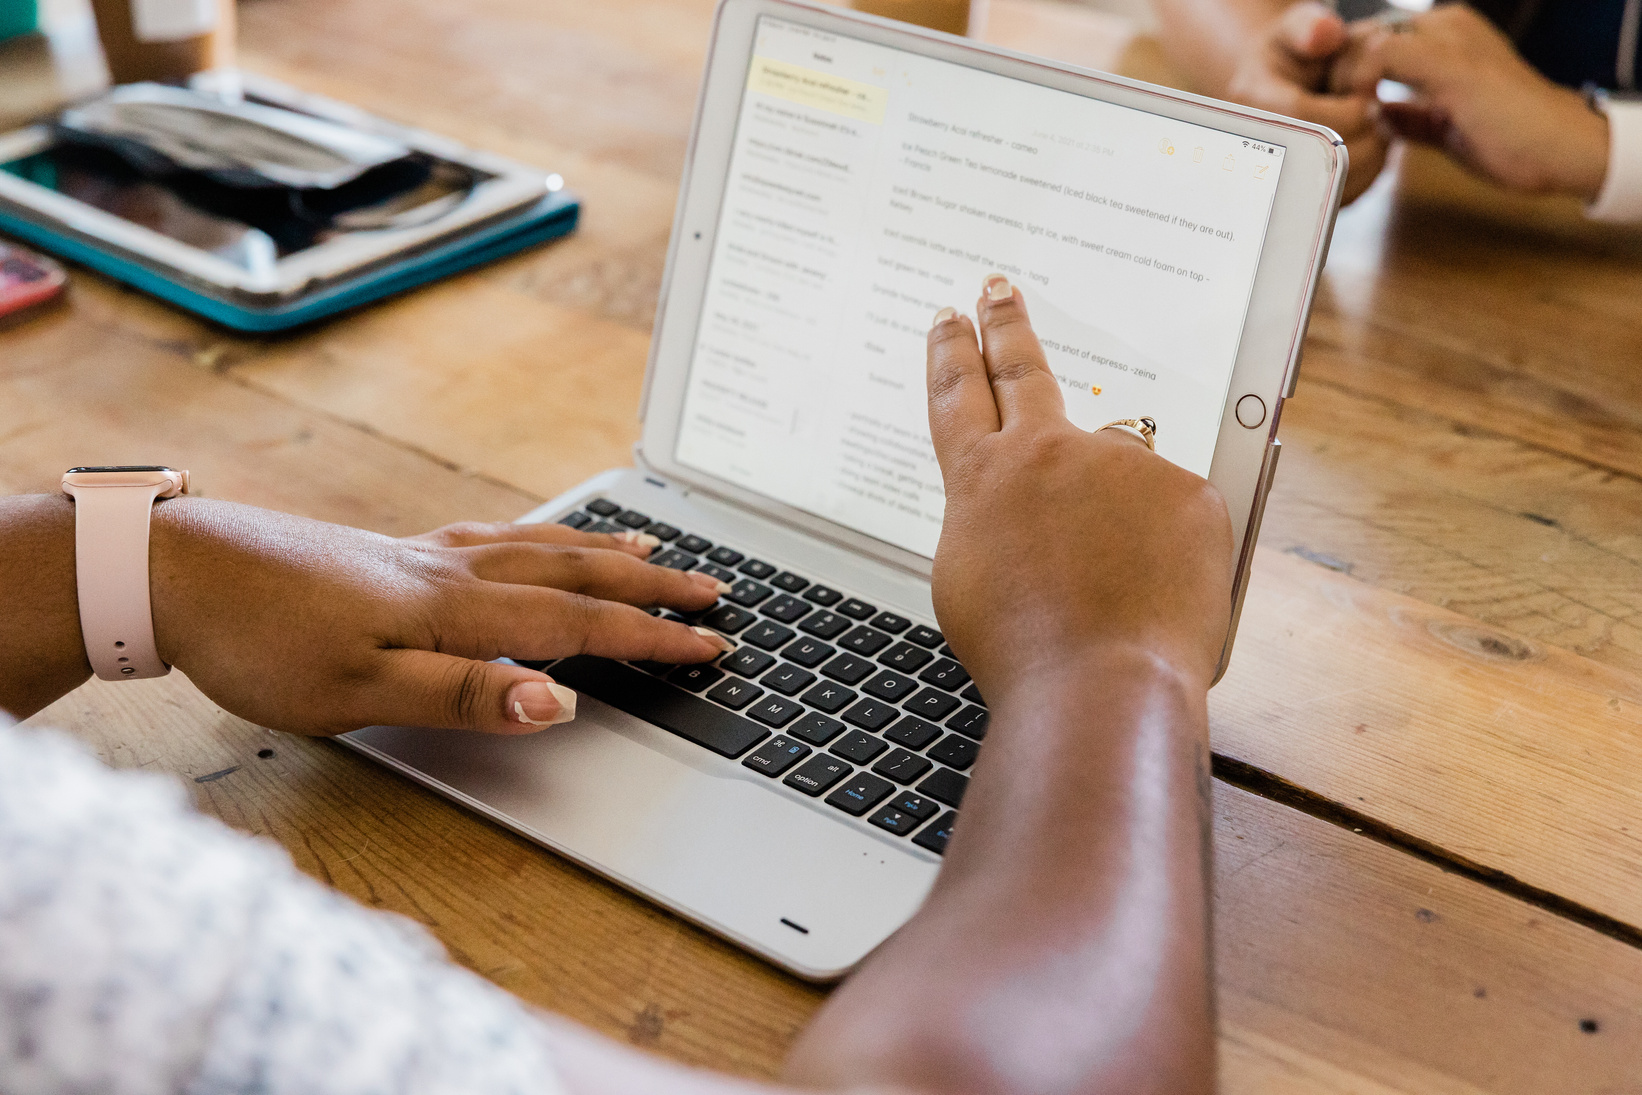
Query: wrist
41	646
1585	162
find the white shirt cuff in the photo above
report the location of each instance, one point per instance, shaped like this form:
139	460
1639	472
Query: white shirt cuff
1621	196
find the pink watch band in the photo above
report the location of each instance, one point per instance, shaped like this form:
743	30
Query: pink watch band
112	511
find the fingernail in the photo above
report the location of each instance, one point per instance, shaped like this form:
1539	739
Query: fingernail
712	583
945	315
642	539
998	287
541	703
707	633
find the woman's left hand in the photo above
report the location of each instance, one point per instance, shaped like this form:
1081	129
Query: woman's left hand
318	629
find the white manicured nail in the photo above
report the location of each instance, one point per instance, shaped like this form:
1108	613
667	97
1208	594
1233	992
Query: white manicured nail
542	703
642	539
707	633
998	288
945	315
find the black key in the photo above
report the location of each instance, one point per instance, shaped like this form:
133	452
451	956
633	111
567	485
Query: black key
857	609
675	559
724	556
890	685
829	697
690	717
888	818
945	786
849	669
603	526
604	507
946	649
775	711
734	693
748	593
787	608
789	581
865	641
816	729
911	802
817	774
695	545
746	661
972	694
576	520
913	732
860	794
808	653
715	570
632	518
695	677
756	568
655	669
858	747
889	621
822	595
768	635
662	531
902	766
935	835
946	673
926	636
955	751
728	619
971	721
776	756
932	705
870	714
905	657
789	680
825	625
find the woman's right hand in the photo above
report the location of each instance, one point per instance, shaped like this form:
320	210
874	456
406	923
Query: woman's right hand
1060	544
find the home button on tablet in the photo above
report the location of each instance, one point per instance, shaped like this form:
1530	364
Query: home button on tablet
1251	411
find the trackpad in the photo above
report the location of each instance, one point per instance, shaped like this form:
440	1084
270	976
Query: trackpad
698	834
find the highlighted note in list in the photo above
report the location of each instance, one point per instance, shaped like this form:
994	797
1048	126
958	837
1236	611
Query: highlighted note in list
821	90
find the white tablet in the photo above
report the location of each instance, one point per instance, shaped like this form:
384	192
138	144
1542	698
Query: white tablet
849	176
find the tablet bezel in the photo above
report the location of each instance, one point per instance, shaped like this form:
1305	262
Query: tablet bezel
511	186
1297	236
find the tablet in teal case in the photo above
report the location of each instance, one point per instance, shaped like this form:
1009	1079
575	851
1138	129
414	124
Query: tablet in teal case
553	216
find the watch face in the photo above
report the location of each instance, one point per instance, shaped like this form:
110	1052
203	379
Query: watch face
121	467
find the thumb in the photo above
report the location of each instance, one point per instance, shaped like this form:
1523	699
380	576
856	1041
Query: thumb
423	688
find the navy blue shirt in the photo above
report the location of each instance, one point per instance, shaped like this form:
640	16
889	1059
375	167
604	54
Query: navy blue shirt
1576	42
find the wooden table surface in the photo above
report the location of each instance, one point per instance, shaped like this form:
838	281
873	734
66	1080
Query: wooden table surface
1430	742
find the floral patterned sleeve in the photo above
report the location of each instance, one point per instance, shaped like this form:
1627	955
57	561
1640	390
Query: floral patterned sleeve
145	949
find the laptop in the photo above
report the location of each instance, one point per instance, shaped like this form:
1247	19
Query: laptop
849	176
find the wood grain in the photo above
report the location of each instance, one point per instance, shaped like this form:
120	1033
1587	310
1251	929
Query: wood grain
1345	966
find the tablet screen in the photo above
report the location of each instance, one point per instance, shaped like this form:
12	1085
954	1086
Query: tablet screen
869	187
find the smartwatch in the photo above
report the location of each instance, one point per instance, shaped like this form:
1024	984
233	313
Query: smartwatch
112	507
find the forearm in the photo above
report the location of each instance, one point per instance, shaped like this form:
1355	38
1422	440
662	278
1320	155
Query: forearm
42	656
1065	946
1207	38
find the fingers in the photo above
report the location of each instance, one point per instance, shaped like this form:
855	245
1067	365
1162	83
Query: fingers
961	407
422	688
1310	30
535	624
1026	392
610	575
473	533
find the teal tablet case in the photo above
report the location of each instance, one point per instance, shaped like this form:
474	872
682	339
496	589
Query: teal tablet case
549	218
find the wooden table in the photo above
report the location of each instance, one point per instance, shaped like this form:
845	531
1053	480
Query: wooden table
1430	742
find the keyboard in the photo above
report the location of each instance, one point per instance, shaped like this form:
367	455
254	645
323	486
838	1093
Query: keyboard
867	710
